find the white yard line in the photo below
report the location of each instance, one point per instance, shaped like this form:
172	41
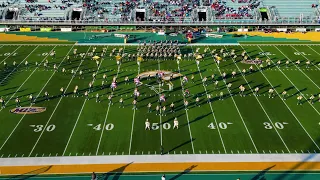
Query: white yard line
306	59
283	100
34	100
304	75
75	125
235	104
9	55
133	118
23	82
318	54
105	119
271	122
161	140
187	115
178	158
18	65
214	116
57	105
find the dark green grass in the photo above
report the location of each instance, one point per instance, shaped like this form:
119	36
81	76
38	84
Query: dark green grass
239	122
279	42
36	42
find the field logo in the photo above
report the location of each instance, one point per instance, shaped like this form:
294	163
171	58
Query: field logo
161	87
28	110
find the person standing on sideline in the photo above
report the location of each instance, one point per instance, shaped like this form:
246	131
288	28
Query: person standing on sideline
93	176
163	177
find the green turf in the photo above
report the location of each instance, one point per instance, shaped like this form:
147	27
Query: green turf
74	126
185	175
35	42
278	42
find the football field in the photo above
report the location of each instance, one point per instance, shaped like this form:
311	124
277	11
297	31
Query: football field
232	124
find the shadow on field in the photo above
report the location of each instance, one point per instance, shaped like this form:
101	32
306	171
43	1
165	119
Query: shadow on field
180	145
116	173
302	167
186	171
261	174
31	174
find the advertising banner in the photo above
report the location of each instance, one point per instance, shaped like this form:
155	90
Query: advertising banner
282	29
4	29
120	35
45	29
25	29
66	29
301	29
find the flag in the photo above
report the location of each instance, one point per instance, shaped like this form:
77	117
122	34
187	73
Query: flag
139	58
95	57
198	57
218	58
118	57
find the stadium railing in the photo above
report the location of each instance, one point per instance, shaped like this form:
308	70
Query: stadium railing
280	21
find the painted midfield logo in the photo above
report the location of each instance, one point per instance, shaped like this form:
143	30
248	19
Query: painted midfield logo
28	110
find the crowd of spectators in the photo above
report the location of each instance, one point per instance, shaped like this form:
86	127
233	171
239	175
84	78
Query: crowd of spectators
162	10
172	10
244	11
37	8
3	5
101	9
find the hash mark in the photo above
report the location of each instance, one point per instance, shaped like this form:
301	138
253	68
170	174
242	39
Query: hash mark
2	155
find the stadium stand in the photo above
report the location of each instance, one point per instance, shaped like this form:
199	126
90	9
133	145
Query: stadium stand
182	11
292	10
